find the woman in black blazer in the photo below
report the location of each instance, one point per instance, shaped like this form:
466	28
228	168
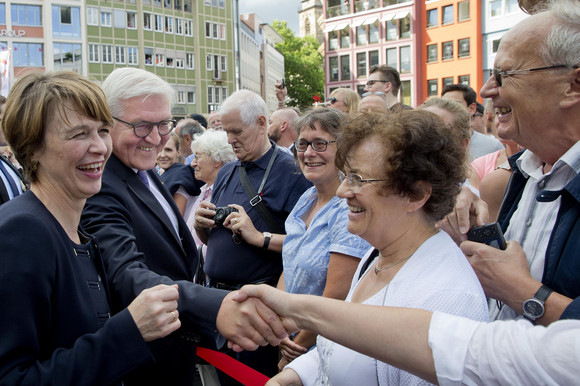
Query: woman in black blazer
55	322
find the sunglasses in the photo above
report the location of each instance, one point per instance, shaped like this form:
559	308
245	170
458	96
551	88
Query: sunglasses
331	101
498	74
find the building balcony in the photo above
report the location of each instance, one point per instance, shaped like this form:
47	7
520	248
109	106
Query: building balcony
365	5
337	10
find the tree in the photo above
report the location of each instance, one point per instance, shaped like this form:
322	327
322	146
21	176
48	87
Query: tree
303	66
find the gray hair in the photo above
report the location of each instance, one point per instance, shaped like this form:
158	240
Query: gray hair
191	127
126	83
562	45
215	144
328	119
249	104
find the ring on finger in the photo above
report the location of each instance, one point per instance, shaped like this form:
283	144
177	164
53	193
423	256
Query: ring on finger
174	316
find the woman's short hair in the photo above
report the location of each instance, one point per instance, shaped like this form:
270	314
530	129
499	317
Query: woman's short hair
328	119
35	98
125	83
350	98
418	147
215	144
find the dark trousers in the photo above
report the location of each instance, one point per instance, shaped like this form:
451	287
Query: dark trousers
263	360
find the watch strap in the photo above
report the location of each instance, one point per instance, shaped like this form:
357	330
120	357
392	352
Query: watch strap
267	238
543	293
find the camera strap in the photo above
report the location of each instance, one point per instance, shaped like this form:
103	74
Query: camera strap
256	197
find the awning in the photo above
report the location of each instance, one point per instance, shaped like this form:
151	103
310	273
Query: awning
388	17
358	23
329	28
401	15
370	21
341	26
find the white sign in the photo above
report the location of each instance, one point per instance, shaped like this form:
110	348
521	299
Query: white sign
8	33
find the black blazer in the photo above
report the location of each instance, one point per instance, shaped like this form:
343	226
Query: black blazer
4	189
140	250
55	328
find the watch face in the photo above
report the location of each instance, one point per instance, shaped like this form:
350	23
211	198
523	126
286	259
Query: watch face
533	308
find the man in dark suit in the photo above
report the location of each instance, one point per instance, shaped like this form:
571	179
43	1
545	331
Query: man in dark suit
11	180
145	241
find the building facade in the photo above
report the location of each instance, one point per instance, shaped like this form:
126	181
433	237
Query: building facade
311	20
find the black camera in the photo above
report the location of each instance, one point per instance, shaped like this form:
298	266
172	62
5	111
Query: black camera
221	213
489	234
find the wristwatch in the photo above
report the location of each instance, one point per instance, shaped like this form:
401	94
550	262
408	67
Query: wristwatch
267	238
534	307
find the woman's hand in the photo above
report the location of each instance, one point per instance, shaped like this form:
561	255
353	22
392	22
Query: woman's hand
291	350
155	313
240	223
285	378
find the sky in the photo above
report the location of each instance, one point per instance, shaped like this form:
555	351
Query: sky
268	10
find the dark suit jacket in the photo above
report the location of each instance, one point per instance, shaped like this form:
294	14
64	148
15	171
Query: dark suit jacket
55	328
4	189
140	250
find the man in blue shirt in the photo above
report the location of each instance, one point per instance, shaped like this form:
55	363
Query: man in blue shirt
232	261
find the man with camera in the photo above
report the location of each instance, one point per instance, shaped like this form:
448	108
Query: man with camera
262	186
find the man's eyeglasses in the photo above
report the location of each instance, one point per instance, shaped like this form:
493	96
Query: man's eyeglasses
355	182
143	129
371	83
318	145
498	74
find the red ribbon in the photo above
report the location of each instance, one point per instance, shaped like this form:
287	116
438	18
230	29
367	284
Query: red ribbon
235	369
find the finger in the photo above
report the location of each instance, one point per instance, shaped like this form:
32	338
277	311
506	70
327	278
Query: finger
275	326
240	296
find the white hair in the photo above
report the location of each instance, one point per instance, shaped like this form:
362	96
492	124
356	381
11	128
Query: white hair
249	104
215	144
562	45
126	83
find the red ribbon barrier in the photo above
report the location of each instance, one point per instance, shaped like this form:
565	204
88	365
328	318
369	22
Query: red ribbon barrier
235	369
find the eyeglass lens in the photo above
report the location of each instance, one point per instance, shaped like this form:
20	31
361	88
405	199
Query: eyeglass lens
143	129
318	145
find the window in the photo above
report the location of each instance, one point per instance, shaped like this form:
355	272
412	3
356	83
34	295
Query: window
67	56
216	67
495	45
178	26
2	13
147	21
495	7
367	34
447	50
26	15
361	67
432	53
209	94
189	61
224	63
361	36
464	79
159	59
107	51
179	63
208	62
391	30
432	18
169	24
405	27
463	48
374	32
432	88
133	55
105	18
131	20
191	96
463	10
373	58
119	54
333	40
333	65
158	23
188	30
222	31
169	62
167	4
222	3
119	18
345	67
94	53
406	92
215	31
512	6
345	37
405	59
447	81
208	29
28	54
392	57
181	97
447	15
92	16
66	22
148	56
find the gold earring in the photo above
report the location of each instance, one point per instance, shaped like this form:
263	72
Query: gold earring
34	166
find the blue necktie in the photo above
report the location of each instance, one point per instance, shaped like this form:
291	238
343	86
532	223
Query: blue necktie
11	182
143	175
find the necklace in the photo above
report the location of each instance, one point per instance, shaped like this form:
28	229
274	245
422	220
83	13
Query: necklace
390	266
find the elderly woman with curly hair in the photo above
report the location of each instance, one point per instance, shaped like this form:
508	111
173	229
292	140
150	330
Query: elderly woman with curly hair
401	175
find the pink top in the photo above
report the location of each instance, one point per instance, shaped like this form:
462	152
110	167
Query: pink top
485	164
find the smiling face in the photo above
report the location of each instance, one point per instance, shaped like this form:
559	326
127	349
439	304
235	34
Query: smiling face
249	142
134	152
73	155
168	155
206	168
317	167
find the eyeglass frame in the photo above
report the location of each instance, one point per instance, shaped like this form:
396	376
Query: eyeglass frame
372	82
498	74
311	144
350	181
151	126
331	101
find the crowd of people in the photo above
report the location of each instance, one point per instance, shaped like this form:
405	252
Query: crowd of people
318	247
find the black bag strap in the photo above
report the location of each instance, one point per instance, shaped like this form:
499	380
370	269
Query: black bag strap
368	263
256	197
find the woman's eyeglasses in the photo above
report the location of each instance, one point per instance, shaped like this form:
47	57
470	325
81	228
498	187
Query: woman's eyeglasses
143	129
498	74
331	101
355	182
318	145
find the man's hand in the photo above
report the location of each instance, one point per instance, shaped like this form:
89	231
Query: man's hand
155	313
249	324
469	211
502	274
